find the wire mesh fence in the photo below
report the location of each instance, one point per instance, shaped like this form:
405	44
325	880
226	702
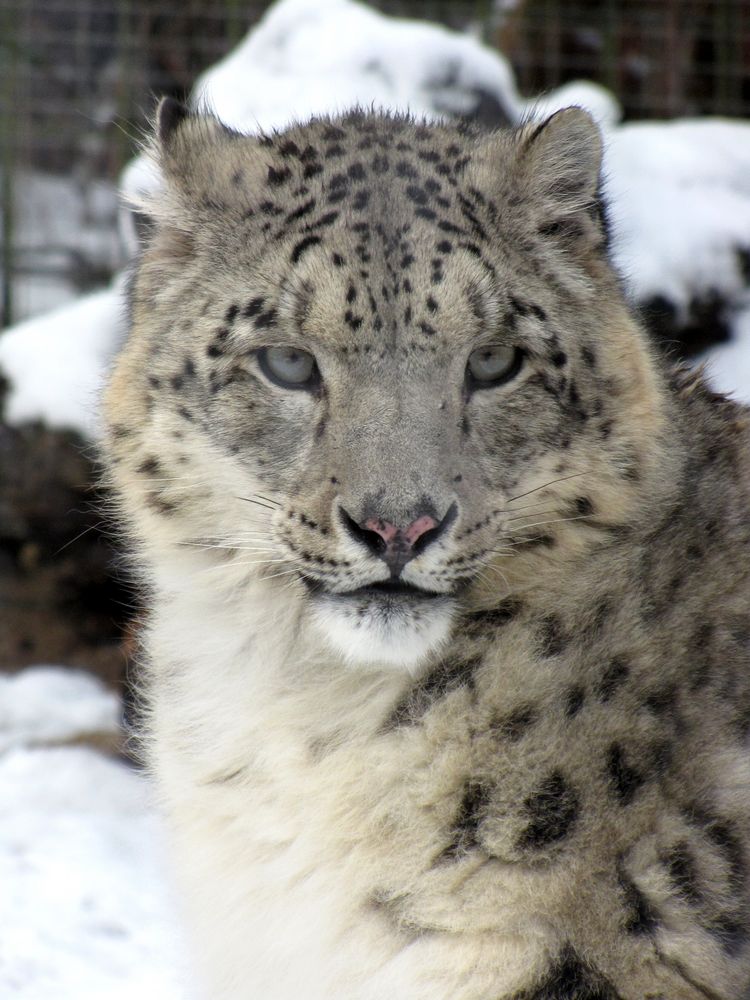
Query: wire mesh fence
78	78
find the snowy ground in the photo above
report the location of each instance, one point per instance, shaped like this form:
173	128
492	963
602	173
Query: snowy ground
84	908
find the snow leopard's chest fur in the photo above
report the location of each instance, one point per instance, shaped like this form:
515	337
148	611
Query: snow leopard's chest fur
447	654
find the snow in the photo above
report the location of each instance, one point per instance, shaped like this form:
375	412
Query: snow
728	365
56	363
680	198
294	64
46	705
64	237
84	908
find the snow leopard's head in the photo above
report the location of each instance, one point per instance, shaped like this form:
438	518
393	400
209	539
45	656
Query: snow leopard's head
384	364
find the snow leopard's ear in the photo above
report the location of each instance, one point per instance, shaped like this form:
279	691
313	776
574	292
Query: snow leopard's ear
208	169
169	114
557	174
187	141
559	161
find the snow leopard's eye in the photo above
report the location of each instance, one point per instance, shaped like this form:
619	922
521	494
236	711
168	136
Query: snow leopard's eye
492	365
289	367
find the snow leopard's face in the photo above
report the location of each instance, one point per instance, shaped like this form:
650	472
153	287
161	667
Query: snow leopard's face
379	366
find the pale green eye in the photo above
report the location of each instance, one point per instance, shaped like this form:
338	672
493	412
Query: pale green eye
289	367
493	364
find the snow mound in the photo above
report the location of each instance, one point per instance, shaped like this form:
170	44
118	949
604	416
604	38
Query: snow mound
680	198
48	705
295	64
83	909
56	363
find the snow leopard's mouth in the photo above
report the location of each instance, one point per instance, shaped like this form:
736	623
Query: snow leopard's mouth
385	590
390	622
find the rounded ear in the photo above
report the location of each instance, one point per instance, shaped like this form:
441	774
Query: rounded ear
186	142
169	114
560	160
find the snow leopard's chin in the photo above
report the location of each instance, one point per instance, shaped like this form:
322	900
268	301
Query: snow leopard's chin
400	632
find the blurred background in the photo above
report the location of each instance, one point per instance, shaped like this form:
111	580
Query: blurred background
78	79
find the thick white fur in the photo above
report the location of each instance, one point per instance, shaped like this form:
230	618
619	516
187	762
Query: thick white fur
401	639
277	879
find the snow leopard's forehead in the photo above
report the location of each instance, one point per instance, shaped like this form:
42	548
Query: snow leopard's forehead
376	235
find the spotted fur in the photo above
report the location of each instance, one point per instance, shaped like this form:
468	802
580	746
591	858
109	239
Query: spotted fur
519	770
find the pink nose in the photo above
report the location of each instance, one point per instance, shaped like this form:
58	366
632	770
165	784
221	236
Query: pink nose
390	533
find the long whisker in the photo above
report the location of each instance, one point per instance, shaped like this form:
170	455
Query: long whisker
550	483
536	513
554	520
268	499
257	503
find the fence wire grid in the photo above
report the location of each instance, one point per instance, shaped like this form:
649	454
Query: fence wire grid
78	78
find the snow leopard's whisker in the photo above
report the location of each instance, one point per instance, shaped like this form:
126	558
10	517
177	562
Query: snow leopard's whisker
275	576
528	506
206	546
536	513
495	569
552	482
91	527
268	499
257	502
540	524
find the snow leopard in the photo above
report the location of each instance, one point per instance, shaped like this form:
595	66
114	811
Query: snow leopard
446	656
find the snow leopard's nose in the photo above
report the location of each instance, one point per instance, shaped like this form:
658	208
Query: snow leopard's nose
394	544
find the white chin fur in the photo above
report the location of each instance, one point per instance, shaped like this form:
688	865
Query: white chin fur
398	637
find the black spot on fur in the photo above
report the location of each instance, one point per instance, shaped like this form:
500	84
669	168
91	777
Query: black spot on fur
301	211
551	639
614	676
661	701
513	727
559	358
574	700
465	833
552	811
444	679
278	177
302	246
311	170
231	314
640	916
583	506
570	979
683	873
405	169
482	622
253	307
149	467
626	780
266	319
